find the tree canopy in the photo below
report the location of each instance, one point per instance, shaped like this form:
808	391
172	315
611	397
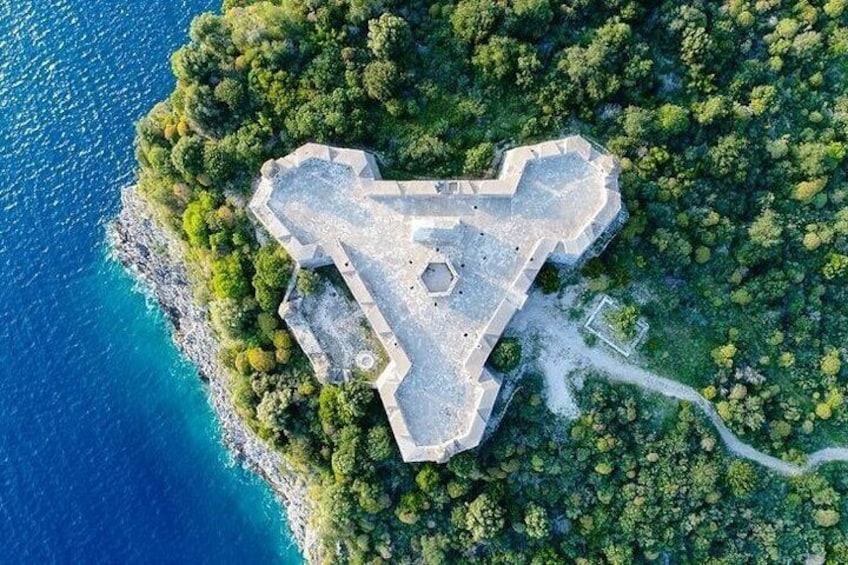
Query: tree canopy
730	121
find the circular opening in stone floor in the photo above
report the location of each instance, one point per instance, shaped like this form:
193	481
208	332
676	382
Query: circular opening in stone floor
365	360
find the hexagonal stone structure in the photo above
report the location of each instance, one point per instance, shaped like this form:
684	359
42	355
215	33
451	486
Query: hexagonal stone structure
439	277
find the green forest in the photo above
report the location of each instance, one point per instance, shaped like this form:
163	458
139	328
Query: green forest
730	121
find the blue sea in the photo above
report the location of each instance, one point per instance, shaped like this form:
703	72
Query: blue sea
109	451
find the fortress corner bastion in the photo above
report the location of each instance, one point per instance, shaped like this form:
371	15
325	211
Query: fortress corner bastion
439	267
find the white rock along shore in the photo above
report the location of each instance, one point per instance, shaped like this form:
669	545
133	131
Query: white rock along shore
155	258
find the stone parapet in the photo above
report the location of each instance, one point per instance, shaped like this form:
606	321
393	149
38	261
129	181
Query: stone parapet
557	200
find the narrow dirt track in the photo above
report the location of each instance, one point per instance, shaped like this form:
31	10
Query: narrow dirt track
543	318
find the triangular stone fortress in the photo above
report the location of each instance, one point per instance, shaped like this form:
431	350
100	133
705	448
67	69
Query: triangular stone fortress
438	266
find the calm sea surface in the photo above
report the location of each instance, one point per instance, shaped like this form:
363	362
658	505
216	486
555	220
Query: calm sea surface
109	452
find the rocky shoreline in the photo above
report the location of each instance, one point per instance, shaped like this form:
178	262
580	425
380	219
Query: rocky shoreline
155	258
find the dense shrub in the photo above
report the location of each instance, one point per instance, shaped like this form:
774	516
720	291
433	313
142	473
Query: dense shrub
548	279
506	355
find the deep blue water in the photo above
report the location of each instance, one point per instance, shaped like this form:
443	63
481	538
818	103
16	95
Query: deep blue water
109	451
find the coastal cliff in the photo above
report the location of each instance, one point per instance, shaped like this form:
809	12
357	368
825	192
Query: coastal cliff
155	258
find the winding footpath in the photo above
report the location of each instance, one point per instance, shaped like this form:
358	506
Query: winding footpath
545	319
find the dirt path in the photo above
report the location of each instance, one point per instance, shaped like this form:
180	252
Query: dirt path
544	323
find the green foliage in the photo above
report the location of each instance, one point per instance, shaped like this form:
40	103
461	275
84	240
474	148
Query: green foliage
831	363
673	119
728	158
594	70
159	160
261	360
827	518
410	507
497	59
485	518
380	79
336	507
836	266
232	93
229	317
473	20
536	521
529	18
354	400
729	120
805	191
307	282
424	150
433	549
428	479
187	156
268	323
623	321
230	277
506	355
723	355
548	279
344	460
218	164
388	35
283	346
272	410
273	270
195	216
741	477
478	159
766	229
379	444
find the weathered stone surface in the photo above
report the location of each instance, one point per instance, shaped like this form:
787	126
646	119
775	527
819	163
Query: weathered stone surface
441	266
